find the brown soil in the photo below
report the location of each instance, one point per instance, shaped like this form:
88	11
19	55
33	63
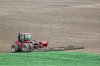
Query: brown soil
60	22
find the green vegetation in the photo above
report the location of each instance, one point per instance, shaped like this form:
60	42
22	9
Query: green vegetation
49	59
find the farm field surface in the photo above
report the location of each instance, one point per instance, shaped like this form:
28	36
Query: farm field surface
49	59
60	22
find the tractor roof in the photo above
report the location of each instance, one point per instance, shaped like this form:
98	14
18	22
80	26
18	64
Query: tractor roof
25	33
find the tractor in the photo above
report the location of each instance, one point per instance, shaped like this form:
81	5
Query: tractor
26	44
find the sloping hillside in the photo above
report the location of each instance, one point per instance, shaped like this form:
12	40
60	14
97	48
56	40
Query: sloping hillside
60	22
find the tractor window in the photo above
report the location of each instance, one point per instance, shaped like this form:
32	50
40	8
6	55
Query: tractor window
22	38
28	37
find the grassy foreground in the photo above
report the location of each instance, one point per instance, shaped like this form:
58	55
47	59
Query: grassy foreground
49	59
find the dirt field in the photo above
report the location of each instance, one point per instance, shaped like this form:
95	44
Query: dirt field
60	22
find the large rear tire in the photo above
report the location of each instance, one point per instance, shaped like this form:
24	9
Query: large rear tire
31	47
14	48
25	48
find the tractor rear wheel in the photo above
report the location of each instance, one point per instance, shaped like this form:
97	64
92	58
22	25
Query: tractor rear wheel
14	48
31	47
25	48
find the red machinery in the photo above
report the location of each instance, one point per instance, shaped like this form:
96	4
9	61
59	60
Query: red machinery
26	44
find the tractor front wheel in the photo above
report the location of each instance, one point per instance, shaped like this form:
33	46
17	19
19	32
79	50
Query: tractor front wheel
25	48
14	48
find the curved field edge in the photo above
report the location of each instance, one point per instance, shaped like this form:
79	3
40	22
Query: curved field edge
49	59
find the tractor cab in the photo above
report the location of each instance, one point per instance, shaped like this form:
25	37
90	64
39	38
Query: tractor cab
22	37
